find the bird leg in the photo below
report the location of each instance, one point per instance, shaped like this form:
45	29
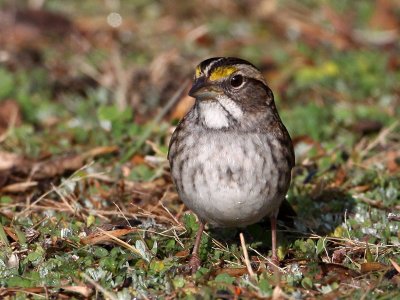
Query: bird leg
274	258
194	262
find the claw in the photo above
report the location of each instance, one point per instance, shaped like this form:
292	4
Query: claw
192	266
194	263
273	263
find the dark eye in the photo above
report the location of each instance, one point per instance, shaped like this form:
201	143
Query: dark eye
236	81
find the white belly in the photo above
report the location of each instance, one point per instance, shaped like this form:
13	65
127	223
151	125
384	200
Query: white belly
227	184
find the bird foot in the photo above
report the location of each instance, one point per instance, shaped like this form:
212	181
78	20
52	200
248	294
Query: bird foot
273	264
192	266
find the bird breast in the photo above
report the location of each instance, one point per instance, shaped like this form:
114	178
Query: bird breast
228	178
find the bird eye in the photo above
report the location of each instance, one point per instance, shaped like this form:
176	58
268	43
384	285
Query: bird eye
236	81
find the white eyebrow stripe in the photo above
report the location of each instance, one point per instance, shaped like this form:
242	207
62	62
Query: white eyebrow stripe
208	68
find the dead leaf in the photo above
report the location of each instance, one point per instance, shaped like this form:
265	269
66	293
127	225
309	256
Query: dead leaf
392	161
82	290
33	290
19	187
59	165
372	266
384	16
234	272
100	151
9	160
137	159
100	237
79	289
10	232
331	272
10	115
340	177
395	265
361	188
183	253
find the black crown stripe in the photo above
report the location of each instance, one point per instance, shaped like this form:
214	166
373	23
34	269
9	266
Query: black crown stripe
217	62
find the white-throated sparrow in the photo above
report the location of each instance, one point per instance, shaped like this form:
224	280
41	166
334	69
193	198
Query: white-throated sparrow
231	156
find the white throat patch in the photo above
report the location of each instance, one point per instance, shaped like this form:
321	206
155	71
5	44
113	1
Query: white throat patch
234	110
216	114
213	115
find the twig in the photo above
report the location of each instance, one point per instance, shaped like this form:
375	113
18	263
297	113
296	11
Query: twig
374	203
98	287
167	210
59	193
219	246
31	205
246	256
123	215
281	270
121	242
379	139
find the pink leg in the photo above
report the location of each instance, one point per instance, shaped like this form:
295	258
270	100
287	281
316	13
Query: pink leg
273	234
194	262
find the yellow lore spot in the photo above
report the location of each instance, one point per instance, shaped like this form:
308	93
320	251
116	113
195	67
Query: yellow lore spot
198	72
222	72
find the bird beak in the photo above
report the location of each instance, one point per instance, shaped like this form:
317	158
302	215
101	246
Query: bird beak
202	90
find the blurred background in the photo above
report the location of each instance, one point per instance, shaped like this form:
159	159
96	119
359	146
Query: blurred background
329	62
